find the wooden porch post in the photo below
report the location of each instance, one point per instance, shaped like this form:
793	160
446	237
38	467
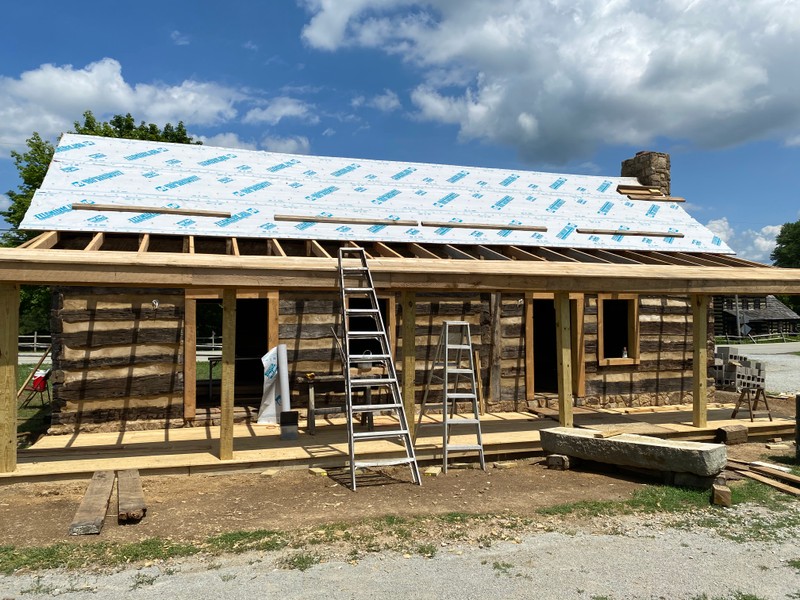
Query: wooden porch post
228	372
189	359
700	360
9	340
273	331
409	303
564	358
530	390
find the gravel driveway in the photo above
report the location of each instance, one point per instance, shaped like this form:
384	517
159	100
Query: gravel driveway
643	558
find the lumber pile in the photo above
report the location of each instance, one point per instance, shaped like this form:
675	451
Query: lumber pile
91	514
775	476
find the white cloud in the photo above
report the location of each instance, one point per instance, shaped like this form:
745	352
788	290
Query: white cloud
329	132
179	39
250	45
752	244
48	99
385	102
282	107
557	79
226	140
296	144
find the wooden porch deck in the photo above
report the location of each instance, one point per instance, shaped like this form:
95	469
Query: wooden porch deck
193	450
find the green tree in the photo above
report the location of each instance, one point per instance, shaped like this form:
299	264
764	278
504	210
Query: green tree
32	167
787	254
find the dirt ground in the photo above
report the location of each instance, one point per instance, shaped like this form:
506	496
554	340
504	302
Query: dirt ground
192	508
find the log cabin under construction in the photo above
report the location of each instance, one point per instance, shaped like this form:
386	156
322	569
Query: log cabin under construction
592	290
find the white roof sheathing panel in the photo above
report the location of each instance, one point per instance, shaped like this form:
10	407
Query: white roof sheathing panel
255	186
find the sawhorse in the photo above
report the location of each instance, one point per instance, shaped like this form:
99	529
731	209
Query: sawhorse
752	403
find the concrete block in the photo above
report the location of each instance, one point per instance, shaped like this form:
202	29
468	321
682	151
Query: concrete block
721	496
559	462
732	434
637	451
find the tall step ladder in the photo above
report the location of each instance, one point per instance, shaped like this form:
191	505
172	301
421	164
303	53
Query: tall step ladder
355	282
453	368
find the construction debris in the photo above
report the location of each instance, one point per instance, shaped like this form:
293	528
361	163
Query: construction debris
721	495
89	518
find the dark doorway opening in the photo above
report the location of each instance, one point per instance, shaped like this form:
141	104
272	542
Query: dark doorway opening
365	323
545	366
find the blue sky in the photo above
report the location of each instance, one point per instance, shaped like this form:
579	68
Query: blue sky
553	85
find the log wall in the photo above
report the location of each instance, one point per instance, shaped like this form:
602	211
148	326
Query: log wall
117	359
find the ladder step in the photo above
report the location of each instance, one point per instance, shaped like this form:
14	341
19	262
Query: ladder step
372	381
384	462
357	408
363	334
362	311
379	435
354	269
459	347
457	421
461	396
357	290
361	358
463	447
454	370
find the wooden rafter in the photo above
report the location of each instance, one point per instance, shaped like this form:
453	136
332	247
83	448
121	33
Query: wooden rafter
614	257
96	242
582	256
454	252
44	241
144	242
384	250
274	248
421	252
488	253
314	248
520	254
550	254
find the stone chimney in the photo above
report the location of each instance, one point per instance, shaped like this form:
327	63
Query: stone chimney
650	168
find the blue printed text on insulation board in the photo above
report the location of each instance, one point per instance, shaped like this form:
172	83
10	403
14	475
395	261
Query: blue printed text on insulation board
509	180
143	217
445	200
216	159
177	183
345	170
42	216
285	165
604	186
236	218
322	193
558	183
403	173
145	154
502	202
458	176
97	178
387	196
74	146
252	188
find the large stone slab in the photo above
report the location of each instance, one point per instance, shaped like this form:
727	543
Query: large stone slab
637	451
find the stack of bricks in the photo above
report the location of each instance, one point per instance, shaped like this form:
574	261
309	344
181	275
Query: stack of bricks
733	371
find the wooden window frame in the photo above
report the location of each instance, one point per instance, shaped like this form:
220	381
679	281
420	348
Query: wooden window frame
633	331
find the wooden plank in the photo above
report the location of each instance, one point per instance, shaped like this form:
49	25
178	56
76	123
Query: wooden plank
775	473
144	242
700	360
461	225
9	339
131	506
520	254
564	359
629	232
273	323
45	241
96	242
636	197
421	252
496	340
626	188
345	220
529	355
577	313
228	373
92	510
409	320
314	248
456	253
190	359
770	482
489	253
234	246
384	250
275	248
159	210
553	255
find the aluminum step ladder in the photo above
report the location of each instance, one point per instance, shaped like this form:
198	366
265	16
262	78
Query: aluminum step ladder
355	283
453	368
